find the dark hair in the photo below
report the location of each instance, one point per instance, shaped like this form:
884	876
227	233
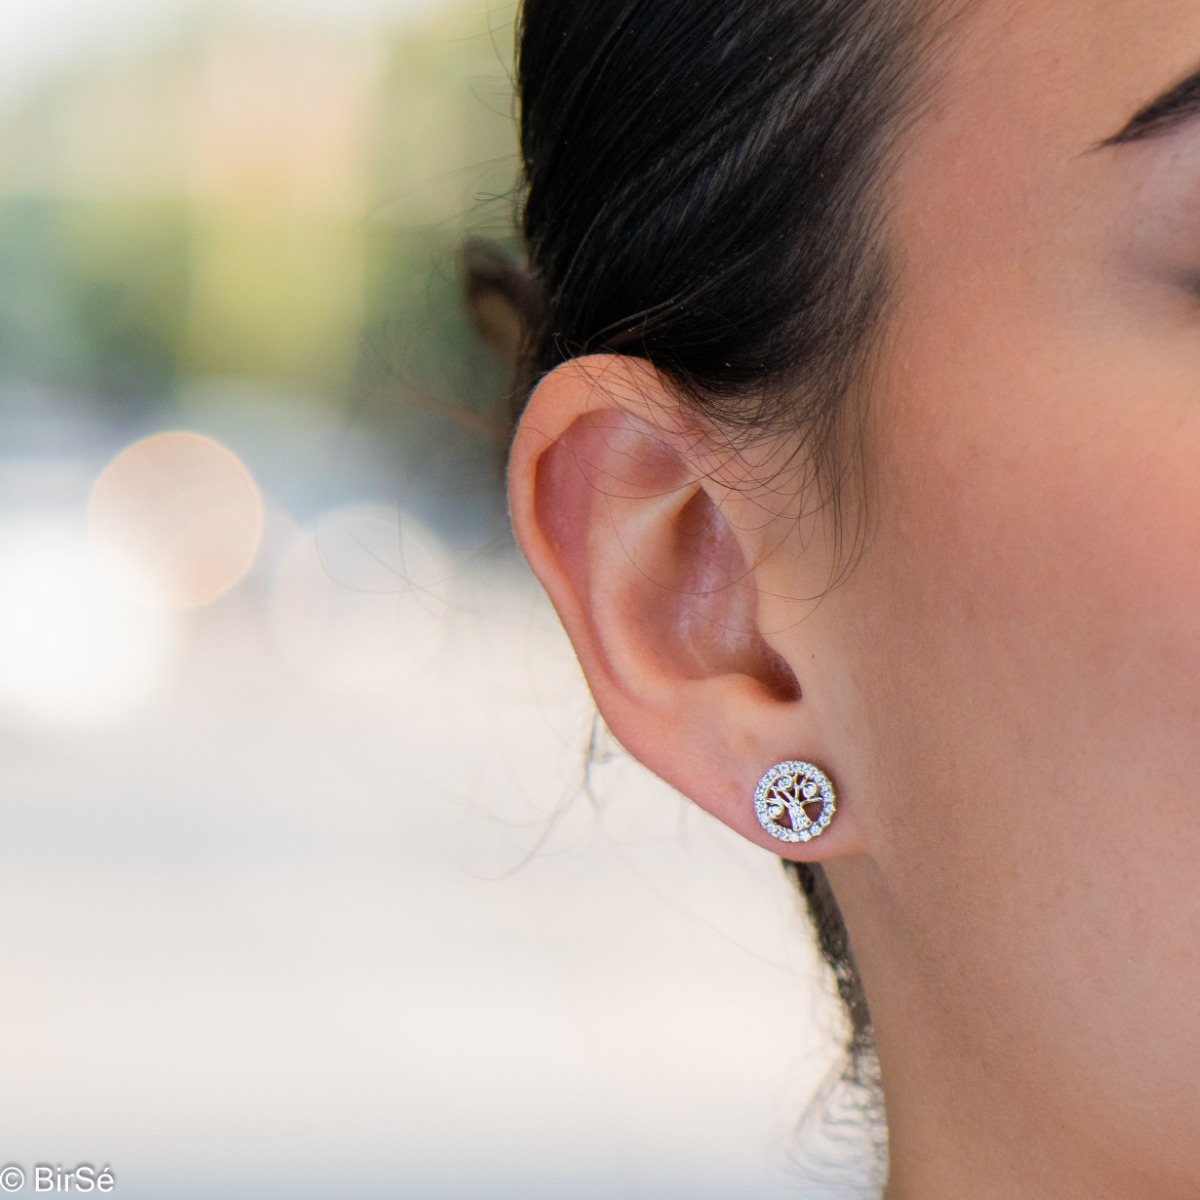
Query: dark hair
703	188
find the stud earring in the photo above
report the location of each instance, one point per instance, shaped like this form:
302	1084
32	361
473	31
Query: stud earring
785	791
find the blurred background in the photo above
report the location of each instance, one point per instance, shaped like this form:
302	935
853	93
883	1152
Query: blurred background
306	887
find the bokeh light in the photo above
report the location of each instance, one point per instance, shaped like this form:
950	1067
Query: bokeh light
176	520
359	600
72	648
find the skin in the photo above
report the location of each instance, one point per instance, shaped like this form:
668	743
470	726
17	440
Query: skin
1006	687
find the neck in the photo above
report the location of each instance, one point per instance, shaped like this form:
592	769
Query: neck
974	1110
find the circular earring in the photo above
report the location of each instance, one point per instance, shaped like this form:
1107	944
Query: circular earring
787	790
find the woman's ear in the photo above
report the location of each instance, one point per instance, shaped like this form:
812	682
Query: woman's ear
622	505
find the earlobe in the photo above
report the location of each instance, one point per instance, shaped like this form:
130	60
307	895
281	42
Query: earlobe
620	511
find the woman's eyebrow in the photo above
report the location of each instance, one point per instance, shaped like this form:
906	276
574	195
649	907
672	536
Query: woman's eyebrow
1176	105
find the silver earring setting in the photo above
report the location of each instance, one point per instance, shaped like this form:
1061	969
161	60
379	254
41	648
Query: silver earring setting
786	796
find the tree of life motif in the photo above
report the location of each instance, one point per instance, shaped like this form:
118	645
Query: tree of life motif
789	794
788	788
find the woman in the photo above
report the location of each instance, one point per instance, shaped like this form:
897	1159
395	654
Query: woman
866	433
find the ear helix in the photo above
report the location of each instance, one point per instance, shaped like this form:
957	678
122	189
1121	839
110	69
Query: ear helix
785	797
